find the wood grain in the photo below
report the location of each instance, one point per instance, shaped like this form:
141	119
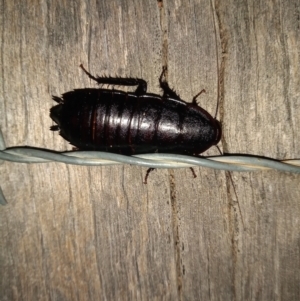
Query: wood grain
92	233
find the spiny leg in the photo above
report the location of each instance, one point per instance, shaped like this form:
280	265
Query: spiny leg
196	96
115	81
168	92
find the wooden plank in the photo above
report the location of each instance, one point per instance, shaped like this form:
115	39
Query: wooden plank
90	233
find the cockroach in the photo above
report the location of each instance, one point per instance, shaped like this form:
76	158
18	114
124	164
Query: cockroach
136	122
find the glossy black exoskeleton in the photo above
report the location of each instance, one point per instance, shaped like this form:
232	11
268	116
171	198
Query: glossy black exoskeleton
133	123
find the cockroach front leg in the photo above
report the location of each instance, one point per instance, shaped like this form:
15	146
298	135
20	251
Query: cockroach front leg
168	92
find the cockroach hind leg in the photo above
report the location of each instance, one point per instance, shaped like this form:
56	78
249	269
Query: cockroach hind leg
88	74
147	174
119	81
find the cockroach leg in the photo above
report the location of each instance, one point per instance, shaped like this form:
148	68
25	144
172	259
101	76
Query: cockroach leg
168	92
194	101
147	174
118	81
193	172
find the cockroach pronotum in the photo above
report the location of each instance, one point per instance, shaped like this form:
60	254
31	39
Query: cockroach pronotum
134	123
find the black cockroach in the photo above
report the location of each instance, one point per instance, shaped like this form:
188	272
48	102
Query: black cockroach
134	123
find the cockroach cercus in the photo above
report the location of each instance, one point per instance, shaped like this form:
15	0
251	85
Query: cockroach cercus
134	123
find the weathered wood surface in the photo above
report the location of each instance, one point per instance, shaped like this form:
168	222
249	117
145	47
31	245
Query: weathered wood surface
90	233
